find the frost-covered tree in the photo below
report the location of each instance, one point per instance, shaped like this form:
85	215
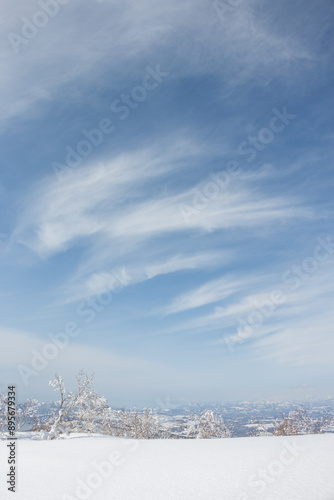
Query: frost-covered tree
133	424
27	414
260	428
81	411
300	422
207	425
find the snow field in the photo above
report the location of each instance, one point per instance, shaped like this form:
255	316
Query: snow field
106	468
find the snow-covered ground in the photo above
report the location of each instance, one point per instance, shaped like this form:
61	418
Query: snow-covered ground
268	468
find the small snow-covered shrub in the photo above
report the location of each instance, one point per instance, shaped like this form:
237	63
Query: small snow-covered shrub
207	425
299	422
3	413
26	414
133	424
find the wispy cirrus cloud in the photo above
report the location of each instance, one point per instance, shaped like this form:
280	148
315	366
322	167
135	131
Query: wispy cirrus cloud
88	200
211	292
294	331
300	331
81	287
115	204
117	200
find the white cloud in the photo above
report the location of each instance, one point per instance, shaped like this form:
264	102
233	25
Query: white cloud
303	326
100	282
297	331
116	199
208	293
85	202
115	205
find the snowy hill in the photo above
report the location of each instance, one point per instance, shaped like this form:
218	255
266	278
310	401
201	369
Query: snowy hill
105	468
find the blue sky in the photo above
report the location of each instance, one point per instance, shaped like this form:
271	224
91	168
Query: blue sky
166	194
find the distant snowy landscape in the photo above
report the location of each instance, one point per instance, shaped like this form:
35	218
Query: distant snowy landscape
107	468
80	448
